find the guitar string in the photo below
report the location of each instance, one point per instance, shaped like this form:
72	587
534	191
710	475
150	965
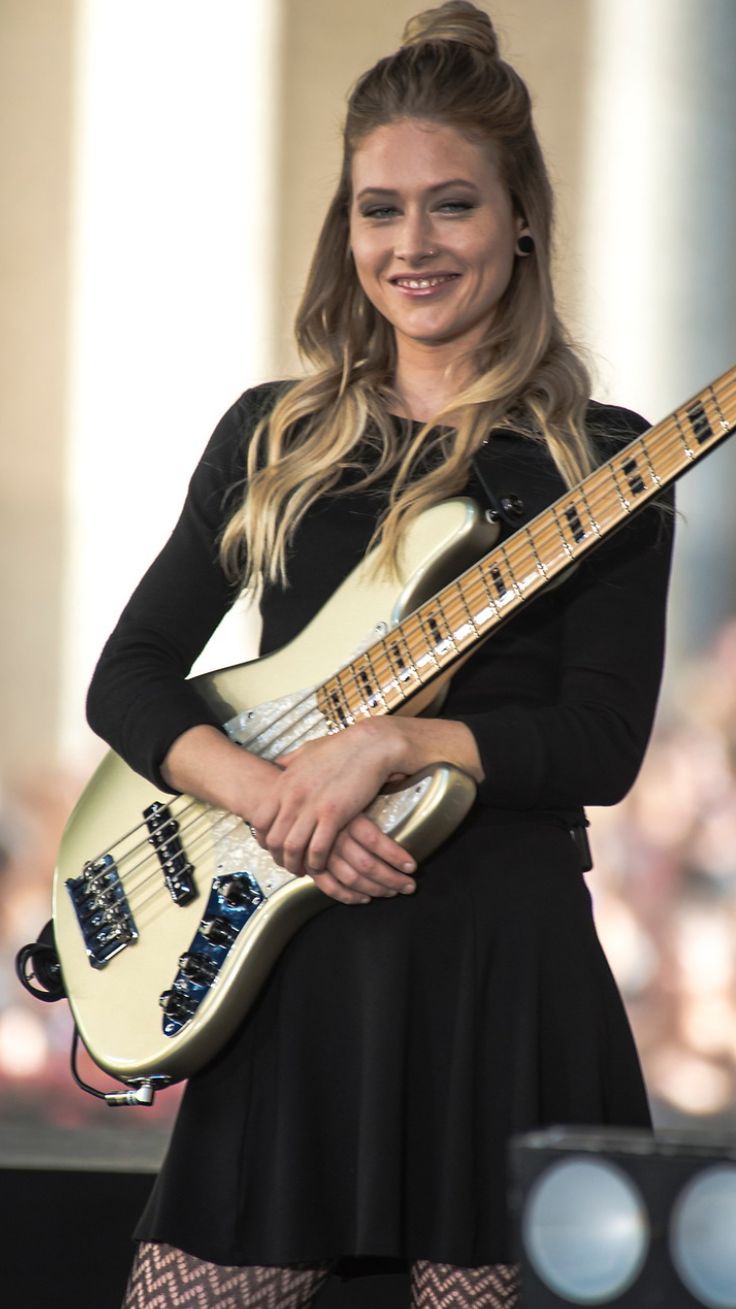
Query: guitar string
199	845
149	862
172	818
605	481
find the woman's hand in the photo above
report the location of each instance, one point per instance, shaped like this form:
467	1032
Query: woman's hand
311	818
307	810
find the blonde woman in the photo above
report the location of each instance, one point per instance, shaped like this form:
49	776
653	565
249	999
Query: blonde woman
364	1106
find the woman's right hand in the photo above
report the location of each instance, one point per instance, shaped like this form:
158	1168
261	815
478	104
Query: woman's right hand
363	863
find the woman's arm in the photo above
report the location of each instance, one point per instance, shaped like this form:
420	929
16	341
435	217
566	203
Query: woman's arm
308	812
139	700
582	739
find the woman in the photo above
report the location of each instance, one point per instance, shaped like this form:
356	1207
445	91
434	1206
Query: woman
365	1104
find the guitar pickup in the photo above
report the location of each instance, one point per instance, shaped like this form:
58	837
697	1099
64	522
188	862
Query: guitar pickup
164	837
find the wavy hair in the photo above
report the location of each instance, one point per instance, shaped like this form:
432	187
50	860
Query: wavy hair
524	372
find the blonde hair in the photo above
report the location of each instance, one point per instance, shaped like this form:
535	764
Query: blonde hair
447	70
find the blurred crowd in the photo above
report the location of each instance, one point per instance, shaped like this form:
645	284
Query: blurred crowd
664	891
664	888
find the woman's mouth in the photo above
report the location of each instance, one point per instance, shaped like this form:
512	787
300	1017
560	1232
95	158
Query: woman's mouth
422	284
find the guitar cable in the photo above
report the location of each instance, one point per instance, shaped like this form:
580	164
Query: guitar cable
38	962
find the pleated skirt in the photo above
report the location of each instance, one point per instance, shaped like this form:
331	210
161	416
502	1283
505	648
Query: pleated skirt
364	1107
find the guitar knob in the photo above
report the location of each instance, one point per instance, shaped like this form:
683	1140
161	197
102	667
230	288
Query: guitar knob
218	931
198	967
176	1005
236	892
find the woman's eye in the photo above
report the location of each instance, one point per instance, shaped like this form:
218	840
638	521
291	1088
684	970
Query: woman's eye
456	206
379	211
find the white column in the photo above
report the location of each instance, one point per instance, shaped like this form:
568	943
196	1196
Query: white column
660	255
174	206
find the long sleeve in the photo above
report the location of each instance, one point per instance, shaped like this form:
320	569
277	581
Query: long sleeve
139	700
583	743
571	685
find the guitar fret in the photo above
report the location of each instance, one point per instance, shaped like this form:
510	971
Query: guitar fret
429	651
541	566
371	693
652	470
716	405
457	635
490	613
512	575
666	447
440	645
682	436
339	714
403	671
413	636
593	521
345	680
625	503
529	568
566	544
471	623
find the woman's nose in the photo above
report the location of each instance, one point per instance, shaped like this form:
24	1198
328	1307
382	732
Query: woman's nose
414	240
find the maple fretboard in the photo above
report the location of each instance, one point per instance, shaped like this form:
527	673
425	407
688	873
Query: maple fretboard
467	610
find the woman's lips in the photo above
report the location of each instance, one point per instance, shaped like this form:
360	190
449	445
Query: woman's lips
422	284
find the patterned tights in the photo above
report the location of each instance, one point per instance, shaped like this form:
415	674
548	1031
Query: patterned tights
165	1278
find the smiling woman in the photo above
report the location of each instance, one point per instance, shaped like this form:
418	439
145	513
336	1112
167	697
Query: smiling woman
364	1105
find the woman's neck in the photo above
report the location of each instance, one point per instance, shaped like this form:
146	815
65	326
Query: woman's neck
427	381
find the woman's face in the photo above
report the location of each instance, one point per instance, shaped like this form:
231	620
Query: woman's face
432	232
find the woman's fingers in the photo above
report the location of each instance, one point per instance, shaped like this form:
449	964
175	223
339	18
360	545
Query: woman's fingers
337	891
358	868
363	830
287	842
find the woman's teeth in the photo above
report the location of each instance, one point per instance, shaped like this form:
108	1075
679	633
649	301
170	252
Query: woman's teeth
423	283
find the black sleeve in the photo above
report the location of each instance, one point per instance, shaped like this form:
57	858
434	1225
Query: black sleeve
585	745
579	670
139	700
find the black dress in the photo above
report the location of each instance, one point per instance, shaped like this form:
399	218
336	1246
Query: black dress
364	1106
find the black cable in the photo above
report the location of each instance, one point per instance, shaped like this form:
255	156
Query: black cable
39	962
83	1086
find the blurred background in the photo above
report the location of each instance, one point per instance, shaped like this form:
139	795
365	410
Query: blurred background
164	168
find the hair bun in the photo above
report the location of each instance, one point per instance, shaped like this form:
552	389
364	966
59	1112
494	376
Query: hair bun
456	20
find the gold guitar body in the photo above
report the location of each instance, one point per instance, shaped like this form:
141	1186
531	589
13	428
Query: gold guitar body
185	905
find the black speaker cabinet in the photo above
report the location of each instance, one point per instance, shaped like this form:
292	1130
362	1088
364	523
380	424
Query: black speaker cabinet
625	1219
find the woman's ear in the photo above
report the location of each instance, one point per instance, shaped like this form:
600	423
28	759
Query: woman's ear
524	238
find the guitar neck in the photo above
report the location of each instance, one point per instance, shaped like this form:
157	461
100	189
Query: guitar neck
464	613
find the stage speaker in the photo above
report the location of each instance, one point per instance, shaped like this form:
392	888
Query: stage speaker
611	1217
